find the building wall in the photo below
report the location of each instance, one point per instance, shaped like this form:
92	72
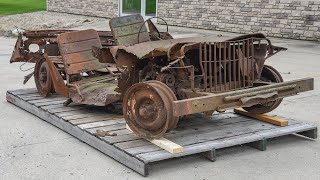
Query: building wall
297	19
100	8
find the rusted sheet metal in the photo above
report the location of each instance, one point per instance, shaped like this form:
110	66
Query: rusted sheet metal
161	47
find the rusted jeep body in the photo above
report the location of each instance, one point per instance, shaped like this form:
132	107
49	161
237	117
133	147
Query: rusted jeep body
158	79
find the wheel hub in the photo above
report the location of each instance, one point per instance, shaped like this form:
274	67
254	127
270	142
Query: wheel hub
148	109
43	78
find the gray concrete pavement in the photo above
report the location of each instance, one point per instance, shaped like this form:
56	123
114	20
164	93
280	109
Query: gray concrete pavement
33	149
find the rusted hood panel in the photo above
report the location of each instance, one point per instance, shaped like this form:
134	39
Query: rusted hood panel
162	47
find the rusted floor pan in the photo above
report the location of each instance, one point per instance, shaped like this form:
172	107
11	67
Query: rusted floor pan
195	134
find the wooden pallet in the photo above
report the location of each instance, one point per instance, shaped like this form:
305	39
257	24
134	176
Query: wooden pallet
195	134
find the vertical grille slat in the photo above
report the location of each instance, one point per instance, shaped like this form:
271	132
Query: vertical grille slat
247	61
243	64
205	67
234	64
210	67
219	67
215	67
227	65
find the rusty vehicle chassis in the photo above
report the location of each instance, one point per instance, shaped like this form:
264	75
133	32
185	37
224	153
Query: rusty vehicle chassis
158	78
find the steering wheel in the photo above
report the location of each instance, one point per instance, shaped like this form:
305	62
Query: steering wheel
158	31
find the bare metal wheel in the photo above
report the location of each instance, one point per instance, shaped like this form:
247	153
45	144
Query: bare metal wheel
269	74
147	108
43	78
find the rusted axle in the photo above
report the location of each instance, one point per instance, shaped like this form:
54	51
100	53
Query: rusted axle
241	98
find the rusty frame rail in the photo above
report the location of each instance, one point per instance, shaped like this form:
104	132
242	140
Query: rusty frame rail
241	98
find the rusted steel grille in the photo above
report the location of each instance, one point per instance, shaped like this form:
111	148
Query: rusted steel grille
227	65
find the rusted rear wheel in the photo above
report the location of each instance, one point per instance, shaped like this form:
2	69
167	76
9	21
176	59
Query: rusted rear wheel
42	77
147	108
269	74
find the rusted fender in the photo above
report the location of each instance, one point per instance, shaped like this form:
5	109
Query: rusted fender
58	82
18	55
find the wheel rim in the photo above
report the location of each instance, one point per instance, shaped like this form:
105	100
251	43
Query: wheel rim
147	108
173	121
43	78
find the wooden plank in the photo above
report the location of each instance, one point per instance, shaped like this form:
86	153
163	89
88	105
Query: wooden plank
226	142
29	97
121	132
77	36
123	138
95	116
133	39
132	29
209	134
84	66
79	57
126	20
68	118
132	144
66	109
164	143
111	127
24	91
125	30
73	113
100	124
117	154
39	104
263	117
92	119
47	100
32	98
55	106
78	46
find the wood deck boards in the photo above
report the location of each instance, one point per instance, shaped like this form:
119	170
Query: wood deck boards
194	133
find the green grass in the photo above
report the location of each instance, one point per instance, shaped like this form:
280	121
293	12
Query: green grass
21	6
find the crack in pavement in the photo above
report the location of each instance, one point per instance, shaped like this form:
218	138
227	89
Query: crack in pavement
31	144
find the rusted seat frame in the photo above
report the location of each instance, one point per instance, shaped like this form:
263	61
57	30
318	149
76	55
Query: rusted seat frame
64	49
129	30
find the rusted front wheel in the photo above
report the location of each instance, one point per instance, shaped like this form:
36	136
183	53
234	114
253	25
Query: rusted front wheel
269	74
42	77
147	108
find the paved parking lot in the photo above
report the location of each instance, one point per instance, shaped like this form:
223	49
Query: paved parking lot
33	149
